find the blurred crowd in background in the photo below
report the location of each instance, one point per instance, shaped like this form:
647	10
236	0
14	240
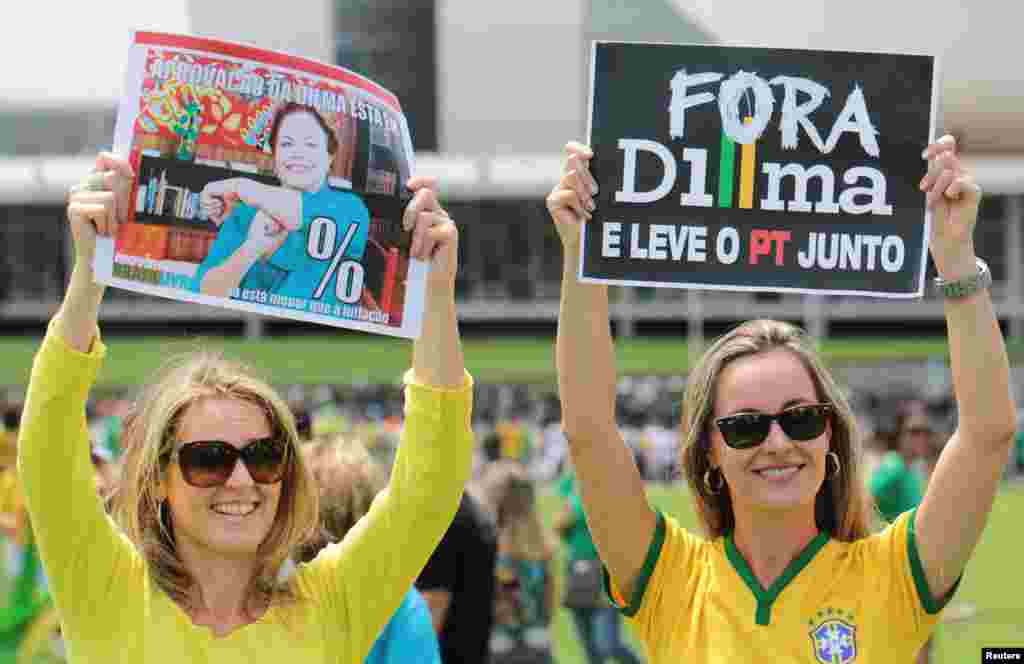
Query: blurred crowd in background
522	423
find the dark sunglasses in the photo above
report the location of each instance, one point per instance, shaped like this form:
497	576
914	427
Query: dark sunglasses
804	422
209	463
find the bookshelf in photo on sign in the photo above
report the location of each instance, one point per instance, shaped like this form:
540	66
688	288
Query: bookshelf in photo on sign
169	190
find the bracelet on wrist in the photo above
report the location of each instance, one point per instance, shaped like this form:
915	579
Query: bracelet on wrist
965	286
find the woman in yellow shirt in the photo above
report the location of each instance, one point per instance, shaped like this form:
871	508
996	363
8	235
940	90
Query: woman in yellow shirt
789	571
214	495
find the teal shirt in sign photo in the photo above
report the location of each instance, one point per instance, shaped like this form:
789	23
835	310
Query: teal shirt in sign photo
298	268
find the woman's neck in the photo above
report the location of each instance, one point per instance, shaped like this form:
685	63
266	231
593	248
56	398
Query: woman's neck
770	541
221	596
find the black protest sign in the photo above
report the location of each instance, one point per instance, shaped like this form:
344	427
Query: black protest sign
759	169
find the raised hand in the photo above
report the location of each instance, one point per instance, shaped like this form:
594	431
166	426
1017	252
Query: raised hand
98	204
265	235
953	197
435	237
571	202
218	198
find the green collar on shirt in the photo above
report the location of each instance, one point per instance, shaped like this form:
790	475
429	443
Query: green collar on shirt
765	598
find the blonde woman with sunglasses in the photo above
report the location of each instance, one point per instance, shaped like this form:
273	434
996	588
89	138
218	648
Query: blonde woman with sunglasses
788	570
214	495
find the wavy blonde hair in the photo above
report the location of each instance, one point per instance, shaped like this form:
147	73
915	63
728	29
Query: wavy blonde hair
505	488
149	438
348	481
843	507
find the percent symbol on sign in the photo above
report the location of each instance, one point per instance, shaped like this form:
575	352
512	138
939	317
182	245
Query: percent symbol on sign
321	237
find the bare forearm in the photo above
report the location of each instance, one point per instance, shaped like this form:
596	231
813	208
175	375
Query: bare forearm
437	355
280	203
585	356
76	319
223	279
981	371
610	485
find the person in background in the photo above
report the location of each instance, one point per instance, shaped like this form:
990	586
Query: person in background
9	435
899	481
516	434
525	587
458	584
553	449
349	480
1017	458
27	596
598	623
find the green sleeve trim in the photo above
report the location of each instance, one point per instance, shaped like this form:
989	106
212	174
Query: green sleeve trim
653	552
928	601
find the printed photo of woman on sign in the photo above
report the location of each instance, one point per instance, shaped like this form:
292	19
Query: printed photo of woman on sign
303	239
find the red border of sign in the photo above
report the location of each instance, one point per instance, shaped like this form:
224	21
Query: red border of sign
268	57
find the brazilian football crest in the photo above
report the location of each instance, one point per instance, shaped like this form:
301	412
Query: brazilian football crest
834	639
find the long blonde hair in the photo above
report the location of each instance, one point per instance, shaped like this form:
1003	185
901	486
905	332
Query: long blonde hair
149	438
507	491
348	480
843	506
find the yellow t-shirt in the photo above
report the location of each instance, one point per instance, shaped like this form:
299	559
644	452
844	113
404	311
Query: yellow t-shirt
112	613
696	601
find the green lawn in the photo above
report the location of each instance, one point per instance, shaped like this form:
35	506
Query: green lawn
992	582
360	358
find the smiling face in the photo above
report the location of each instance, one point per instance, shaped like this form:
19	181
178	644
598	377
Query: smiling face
231	520
301	156
780	474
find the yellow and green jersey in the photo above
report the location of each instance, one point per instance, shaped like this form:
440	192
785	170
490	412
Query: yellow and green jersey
697	601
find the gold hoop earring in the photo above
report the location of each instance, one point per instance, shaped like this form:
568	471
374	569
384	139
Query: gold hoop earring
835	459
713	490
164	515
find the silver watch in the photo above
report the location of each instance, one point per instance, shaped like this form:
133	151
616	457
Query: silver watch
961	288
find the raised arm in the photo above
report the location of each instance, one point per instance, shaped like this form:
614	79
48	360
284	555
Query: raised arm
77	542
280	203
960	494
383	553
620	519
437	354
